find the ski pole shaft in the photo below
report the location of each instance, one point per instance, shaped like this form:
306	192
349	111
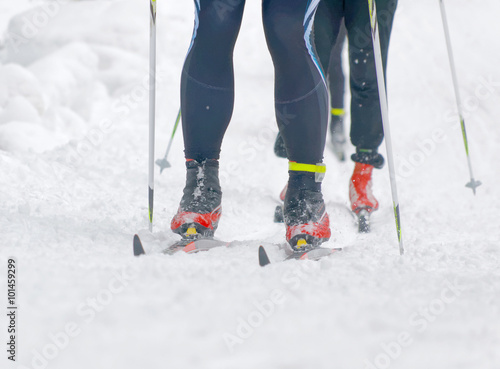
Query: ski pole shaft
385	116
177	120
152	100
163	163
473	183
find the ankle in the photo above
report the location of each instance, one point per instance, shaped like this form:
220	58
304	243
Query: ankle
202	162
368	156
303	181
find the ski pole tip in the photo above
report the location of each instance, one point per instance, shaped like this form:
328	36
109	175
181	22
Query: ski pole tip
163	164
473	185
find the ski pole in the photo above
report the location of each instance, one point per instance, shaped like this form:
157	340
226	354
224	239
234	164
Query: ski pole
163	163
385	116
152	98
473	184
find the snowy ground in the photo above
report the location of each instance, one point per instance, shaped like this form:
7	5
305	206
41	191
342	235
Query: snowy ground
73	178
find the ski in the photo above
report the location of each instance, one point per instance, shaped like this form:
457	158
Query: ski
316	253
263	258
192	246
138	248
186	245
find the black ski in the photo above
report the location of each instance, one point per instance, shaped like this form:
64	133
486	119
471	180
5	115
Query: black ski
263	258
138	249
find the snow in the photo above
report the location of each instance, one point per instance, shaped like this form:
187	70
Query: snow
73	164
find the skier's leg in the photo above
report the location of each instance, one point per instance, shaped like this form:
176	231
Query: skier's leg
301	103
336	82
326	29
300	91
324	40
207	97
336	79
366	120
326	23
207	85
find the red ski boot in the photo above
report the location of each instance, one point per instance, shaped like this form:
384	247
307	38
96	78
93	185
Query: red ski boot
199	211
360	193
360	189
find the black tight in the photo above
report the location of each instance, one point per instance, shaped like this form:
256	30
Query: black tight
366	121
207	86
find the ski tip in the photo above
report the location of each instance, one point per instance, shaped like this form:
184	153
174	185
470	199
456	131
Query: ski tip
138	249
263	258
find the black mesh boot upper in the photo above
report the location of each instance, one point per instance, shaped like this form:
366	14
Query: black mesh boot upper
304	200
202	193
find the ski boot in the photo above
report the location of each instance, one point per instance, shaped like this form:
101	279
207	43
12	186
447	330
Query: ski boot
337	135
200	208
363	203
278	211
306	220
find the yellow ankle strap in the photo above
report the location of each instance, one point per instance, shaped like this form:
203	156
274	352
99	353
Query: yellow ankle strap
319	169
